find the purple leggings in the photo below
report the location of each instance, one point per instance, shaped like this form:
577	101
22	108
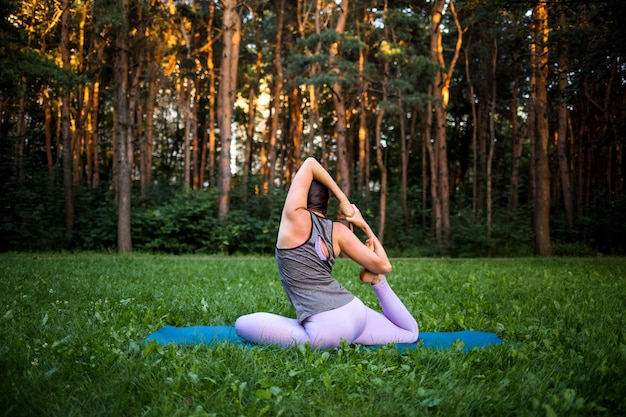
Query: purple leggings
353	322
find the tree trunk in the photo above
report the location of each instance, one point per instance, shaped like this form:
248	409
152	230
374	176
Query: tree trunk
212	111
440	93
48	130
383	175
404	163
95	107
195	147
147	139
363	136
123	139
492	136
518	142
252	103
472	101
294	156
566	185
341	124
539	99
68	192
231	27
314	121
276	104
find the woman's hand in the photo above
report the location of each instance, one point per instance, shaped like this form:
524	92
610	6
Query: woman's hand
346	208
356	218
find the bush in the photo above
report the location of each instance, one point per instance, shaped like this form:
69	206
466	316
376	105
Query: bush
511	235
186	223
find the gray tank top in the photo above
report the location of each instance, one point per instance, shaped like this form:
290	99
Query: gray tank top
306	275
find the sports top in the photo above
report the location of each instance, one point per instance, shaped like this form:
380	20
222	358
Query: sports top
305	273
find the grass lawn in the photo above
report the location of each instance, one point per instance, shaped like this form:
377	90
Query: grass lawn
72	326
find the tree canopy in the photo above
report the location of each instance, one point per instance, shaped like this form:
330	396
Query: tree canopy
464	127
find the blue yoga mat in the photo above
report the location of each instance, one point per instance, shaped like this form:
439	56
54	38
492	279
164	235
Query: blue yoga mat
207	335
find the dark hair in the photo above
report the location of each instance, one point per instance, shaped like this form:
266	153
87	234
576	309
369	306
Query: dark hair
318	197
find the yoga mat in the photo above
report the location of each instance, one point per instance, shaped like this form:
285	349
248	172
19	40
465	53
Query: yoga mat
207	335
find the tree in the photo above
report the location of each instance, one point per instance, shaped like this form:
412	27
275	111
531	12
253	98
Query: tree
68	193
437	148
123	131
561	134
276	100
341	124
539	102
231	34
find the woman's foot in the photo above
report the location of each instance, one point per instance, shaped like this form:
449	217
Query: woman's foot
367	276
370	277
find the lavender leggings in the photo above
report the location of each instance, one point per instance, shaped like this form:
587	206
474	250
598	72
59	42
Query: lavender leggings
353	322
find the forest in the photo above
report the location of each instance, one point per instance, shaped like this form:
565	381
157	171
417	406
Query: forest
462	128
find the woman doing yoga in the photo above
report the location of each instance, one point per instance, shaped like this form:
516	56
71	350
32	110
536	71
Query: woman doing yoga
306	248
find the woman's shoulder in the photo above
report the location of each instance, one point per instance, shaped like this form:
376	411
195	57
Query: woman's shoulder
294	230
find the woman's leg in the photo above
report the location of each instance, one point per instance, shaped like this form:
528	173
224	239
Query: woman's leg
270	329
323	330
328	329
396	325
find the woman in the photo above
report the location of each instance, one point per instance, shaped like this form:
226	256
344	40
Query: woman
306	248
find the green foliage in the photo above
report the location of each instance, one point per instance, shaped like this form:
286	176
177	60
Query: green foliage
31	218
187	222
511	235
72	331
172	220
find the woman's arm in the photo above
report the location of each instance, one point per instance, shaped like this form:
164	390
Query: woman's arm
294	222
373	258
299	190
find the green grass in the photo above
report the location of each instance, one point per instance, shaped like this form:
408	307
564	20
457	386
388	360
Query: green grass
72	326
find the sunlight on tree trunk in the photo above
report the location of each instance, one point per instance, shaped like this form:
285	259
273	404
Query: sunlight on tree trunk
68	193
438	149
123	140
210	125
276	103
231	27
252	106
341	124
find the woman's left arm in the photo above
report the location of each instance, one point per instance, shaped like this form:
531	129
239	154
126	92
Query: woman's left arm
375	260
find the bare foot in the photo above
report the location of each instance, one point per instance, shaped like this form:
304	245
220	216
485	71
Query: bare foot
370	277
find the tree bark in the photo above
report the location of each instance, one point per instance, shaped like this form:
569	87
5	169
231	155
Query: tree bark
472	101
147	139
231	27
48	130
492	136
518	143
252	104
440	92
68	187
212	111
564	171
539	98
123	139
383	175
294	154
341	124
363	136
276	104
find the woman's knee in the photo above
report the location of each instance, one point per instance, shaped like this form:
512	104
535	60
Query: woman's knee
248	325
